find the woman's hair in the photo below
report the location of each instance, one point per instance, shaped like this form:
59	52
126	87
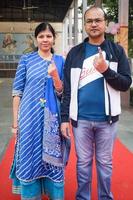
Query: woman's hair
42	27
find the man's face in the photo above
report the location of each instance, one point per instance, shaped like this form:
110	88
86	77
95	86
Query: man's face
95	23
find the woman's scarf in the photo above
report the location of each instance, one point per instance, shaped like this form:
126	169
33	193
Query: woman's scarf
52	142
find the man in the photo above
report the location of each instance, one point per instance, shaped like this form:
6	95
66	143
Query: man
95	72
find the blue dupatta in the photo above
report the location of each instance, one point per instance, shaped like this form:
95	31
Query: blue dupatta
52	143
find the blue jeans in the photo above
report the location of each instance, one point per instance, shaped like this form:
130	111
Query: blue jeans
94	137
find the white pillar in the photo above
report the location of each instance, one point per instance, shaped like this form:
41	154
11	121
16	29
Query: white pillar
70	29
75	22
65	35
84	35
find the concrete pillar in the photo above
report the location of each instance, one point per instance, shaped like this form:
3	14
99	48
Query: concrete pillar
98	3
123	21
123	39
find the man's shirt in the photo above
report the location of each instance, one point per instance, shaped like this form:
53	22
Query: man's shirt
91	100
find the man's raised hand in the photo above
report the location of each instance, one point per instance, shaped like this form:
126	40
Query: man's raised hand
99	62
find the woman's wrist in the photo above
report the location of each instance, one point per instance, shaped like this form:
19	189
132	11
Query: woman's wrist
59	92
14	127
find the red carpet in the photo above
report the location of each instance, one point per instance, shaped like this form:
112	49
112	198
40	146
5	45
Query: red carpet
122	185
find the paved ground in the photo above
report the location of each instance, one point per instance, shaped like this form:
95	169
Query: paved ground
5	113
125	132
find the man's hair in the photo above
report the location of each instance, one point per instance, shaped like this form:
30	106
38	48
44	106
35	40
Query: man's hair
94	6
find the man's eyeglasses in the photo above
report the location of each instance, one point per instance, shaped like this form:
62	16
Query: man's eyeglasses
96	21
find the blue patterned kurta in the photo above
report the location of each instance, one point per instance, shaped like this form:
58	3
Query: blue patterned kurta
32	83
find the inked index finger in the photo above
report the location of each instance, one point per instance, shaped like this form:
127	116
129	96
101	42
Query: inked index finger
100	51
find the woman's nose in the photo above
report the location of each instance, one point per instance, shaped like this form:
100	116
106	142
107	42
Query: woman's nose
45	39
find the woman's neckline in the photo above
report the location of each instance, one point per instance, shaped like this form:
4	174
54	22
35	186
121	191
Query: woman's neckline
47	57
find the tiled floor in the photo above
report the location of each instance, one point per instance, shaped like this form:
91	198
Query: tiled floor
125	132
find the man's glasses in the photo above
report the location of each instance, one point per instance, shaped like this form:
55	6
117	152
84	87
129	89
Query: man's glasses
96	21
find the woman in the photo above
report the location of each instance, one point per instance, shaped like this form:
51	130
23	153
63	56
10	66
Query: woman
37	166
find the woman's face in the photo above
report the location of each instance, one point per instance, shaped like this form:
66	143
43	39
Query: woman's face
45	40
